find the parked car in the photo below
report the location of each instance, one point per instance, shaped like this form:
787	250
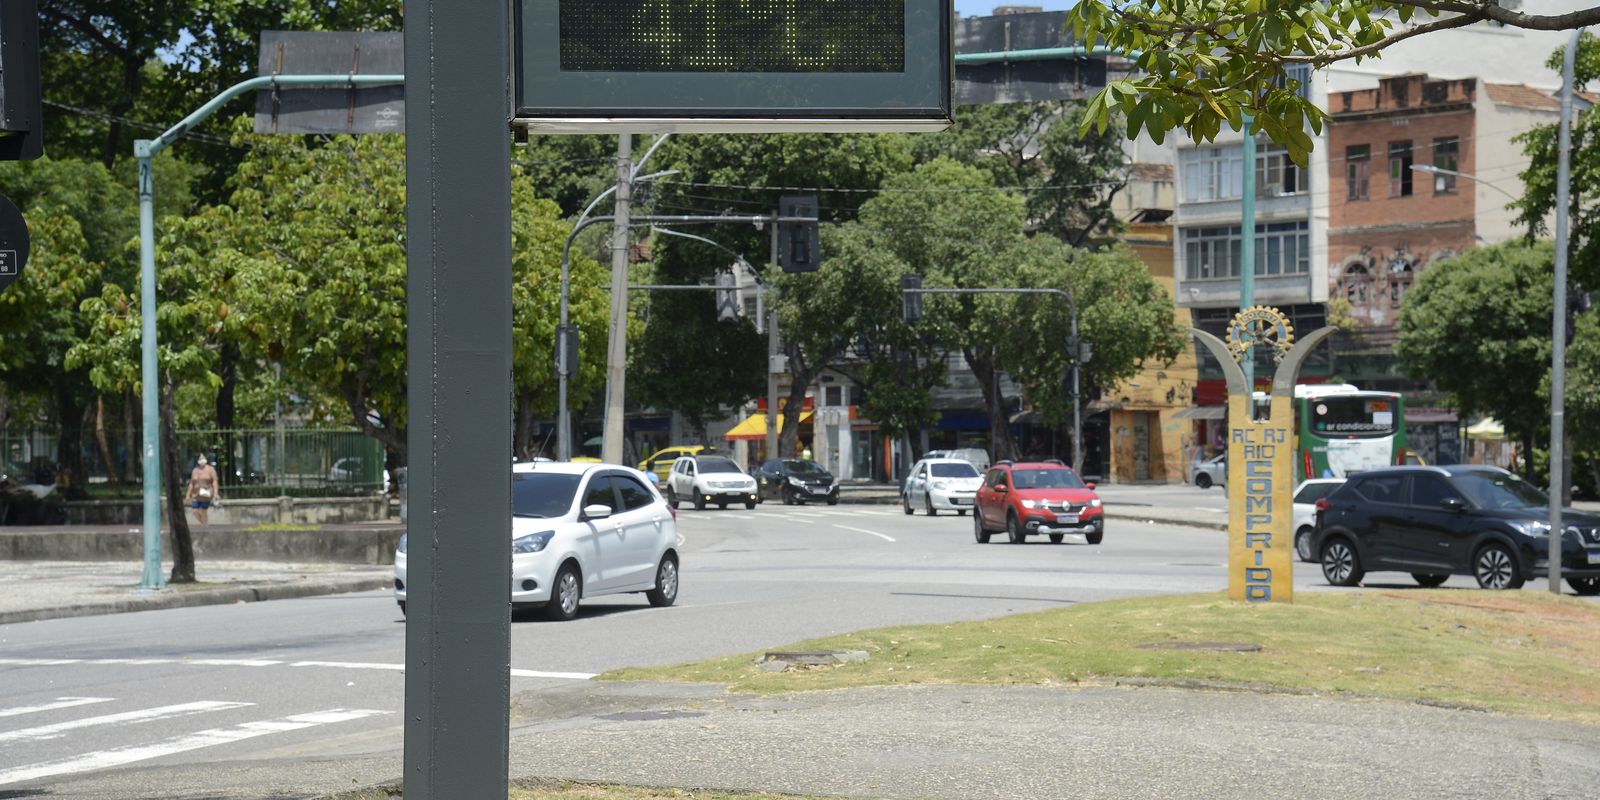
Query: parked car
1210	472
935	484
660	462
706	479
1434	522
1037	497
797	480
582	530
1306	496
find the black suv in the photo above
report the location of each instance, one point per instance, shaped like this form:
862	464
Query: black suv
1434	522
796	480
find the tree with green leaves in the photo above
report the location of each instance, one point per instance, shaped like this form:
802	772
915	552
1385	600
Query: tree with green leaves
1475	322
1068	174
1206	63
1537	206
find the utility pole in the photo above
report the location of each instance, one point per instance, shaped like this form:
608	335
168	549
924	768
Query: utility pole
617	343
773	356
1558	353
1247	244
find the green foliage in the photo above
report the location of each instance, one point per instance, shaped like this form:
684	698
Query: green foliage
1206	64
1478	325
1537	206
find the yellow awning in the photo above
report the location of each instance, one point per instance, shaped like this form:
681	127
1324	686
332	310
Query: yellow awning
1487	428
755	427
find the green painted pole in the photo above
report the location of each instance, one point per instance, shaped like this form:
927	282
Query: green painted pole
151	578
1247	240
144	150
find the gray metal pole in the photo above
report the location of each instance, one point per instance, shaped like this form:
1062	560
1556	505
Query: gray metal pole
1558	353
772	356
617	341
1247	241
152	578
1077	402
458	355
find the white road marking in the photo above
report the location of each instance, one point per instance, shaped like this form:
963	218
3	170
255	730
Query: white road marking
143	715
864	530
838	513
806	514
247	662
61	702
120	756
533	673
744	516
350	665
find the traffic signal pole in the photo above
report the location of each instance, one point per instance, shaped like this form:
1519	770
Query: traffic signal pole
611	446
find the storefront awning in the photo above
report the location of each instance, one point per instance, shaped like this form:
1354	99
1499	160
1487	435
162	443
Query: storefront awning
754	427
1202	412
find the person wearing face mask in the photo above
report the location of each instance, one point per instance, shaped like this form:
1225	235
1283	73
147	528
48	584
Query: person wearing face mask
202	489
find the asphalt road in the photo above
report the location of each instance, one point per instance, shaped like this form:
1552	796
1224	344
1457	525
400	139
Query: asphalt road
120	706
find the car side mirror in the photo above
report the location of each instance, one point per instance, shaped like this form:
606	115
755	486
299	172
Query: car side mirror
1089	484
596	511
1002	488
1453	504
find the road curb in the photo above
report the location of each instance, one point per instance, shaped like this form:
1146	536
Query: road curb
168	598
1122	516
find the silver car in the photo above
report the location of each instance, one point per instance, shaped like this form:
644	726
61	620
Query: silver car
1210	472
949	484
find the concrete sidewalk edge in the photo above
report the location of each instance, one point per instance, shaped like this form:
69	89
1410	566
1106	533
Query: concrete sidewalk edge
168	598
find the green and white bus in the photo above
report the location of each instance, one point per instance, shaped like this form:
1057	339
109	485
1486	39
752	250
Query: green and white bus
1340	429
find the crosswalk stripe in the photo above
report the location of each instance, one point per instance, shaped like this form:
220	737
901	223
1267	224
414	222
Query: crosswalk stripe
142	715
120	756
61	702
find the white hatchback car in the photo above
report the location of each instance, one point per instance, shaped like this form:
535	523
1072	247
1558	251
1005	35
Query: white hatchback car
1306	496
582	530
704	478
950	484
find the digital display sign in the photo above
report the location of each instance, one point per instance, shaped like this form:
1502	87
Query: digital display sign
586	66
733	35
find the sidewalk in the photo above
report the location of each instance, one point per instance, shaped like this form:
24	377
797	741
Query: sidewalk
39	590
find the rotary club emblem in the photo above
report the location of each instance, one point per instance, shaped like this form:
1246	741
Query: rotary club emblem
1260	326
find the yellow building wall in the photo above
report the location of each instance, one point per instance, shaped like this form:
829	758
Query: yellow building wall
1159	391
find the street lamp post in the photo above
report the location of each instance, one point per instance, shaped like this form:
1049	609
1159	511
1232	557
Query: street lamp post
1433	170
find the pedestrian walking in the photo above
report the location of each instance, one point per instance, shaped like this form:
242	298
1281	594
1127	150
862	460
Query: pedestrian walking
203	489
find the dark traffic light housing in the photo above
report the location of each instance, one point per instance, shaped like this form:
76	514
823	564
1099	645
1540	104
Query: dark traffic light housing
799	249
21	109
910	302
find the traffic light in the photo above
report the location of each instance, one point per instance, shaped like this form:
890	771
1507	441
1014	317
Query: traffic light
21	112
567	339
910	302
799	249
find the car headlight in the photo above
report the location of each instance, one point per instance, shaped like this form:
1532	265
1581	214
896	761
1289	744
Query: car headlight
1095	503
1534	527
401	548
1033	504
532	543
793	481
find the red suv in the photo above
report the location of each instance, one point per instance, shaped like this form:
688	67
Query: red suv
1037	497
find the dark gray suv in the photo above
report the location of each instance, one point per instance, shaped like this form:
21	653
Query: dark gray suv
1434	522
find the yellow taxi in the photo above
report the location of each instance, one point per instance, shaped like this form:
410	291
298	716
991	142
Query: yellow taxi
660	462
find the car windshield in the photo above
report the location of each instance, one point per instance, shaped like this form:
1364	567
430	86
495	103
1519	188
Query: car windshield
1499	490
717	465
542	494
1311	493
1045	479
953	470
798	467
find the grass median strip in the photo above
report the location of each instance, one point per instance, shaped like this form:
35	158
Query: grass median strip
1524	652
568	790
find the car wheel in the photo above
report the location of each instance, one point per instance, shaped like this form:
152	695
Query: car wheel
833	499
1340	564
786	496
699	502
750	504
1428	580
1588	587
905	501
672	497
1496	568
666	591
961	512
565	594
927	501
1302	544
1014	530
403	605
1094	536
1202	481
1055	538
978	531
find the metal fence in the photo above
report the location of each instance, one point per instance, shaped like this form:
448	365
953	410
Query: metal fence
261	462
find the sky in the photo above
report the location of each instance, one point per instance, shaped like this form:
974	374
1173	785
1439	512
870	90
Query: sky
983	8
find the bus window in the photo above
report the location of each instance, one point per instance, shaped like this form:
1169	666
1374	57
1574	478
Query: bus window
1361	417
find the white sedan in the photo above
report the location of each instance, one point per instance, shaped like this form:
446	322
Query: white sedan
1306	496
950	484
582	530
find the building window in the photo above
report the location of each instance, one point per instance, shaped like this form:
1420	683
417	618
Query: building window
1212	174
1400	276
1357	285
1357	170
750	308
1276	175
1282	248
1296	77
1400	169
1444	158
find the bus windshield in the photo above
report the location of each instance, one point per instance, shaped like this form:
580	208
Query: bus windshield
1341	416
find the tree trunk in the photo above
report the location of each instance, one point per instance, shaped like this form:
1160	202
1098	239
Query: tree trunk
102	442
228	370
522	444
69	448
1001	445
131	439
177	486
789	426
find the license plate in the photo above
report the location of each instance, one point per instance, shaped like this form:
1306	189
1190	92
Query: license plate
957	501
1594	557
1070	519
